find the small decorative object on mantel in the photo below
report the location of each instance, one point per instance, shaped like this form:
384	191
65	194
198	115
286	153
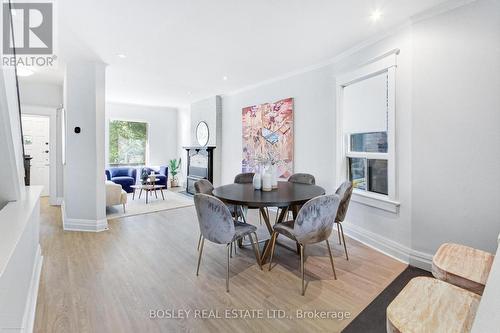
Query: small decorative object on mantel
174	166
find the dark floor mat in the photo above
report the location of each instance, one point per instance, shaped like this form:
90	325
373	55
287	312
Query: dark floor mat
372	318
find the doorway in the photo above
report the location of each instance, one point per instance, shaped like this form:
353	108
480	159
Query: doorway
36	139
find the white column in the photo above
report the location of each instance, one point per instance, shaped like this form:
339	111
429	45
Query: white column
84	206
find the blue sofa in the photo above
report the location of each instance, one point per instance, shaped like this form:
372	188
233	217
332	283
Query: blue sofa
161	174
125	176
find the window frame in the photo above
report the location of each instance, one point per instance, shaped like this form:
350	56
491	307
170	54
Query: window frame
146	157
383	64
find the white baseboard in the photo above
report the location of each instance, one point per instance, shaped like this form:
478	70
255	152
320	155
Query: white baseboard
30	308
70	224
421	260
55	201
389	247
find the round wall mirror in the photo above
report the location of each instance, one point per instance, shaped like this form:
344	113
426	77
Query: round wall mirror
202	133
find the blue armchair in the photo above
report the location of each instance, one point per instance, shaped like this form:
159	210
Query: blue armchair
125	176
161	174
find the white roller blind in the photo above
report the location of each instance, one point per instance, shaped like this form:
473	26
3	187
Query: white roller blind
365	105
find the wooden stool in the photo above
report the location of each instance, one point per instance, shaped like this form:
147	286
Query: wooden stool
463	266
431	305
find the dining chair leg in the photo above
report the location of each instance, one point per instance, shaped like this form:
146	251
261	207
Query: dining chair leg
331	258
227	272
256	248
302	268
199	242
124	209
343	240
273	242
231	250
199	258
338	232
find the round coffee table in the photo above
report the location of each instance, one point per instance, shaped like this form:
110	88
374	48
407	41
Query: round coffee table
287	194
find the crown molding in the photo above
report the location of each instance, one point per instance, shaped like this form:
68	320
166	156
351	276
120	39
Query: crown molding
422	16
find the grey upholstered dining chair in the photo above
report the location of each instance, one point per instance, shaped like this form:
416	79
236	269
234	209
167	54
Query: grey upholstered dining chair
344	192
302	178
314	224
204	186
298	178
244	178
217	226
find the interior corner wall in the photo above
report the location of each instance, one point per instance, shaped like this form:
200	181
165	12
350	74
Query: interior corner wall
162	129
456	128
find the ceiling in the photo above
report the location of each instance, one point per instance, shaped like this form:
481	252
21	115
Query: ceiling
178	51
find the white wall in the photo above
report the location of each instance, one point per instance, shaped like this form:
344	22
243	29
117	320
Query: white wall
449	98
183	140
162	129
40	93
456	128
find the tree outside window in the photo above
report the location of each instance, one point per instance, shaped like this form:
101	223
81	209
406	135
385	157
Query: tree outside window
127	142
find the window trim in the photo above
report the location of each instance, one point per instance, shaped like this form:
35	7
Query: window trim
146	158
385	63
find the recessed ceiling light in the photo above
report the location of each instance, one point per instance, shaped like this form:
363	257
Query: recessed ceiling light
23	71
121	55
224	78
376	15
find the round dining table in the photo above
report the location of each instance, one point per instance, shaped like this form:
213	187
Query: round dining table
286	195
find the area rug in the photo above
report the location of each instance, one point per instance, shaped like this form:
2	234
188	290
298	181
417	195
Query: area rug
373	318
138	206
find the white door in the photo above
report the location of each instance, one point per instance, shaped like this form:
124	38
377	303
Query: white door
36	131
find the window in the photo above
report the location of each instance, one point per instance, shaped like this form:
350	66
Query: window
366	132
128	142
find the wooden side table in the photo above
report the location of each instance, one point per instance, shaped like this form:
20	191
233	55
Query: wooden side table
148	188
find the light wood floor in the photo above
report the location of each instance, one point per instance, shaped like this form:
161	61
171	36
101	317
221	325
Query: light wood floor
109	281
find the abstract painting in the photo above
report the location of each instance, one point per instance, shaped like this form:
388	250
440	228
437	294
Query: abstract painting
268	134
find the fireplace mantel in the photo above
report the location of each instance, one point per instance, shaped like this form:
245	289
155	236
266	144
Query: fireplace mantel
199	165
